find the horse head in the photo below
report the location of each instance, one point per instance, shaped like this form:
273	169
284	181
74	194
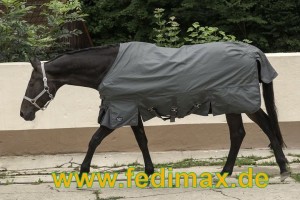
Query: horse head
39	93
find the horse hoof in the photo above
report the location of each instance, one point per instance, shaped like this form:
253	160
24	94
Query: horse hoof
148	187
284	176
215	179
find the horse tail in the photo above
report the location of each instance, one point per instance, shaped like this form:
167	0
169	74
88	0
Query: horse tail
268	94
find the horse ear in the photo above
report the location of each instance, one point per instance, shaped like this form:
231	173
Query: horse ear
35	62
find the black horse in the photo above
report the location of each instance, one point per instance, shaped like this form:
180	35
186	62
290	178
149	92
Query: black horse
88	67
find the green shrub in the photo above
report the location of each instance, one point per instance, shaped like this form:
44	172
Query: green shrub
167	33
16	34
20	40
117	21
58	15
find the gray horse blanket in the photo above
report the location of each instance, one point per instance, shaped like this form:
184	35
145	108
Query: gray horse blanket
217	78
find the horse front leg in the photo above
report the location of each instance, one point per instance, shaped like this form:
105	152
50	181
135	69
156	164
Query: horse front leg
142	141
237	134
262	120
95	141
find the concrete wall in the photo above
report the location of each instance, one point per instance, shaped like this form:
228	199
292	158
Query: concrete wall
71	119
78	107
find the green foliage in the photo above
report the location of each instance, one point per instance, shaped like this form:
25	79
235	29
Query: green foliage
200	35
273	26
14	31
58	14
282	32
167	32
19	40
117	21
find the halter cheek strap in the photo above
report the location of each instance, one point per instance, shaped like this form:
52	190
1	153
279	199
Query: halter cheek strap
45	90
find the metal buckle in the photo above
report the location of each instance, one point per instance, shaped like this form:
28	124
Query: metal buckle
197	105
151	109
174	109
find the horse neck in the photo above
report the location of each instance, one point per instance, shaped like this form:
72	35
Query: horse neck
86	68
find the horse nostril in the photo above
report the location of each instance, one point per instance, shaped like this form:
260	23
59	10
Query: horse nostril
21	114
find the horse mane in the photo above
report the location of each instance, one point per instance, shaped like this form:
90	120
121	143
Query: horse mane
83	50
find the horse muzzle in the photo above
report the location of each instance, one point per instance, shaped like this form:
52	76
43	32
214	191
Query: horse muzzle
30	116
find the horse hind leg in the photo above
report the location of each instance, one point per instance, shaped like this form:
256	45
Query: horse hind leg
95	141
237	134
142	141
262	120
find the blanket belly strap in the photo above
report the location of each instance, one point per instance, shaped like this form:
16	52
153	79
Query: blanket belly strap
173	112
155	112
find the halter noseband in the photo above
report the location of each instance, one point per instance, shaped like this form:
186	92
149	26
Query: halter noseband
46	90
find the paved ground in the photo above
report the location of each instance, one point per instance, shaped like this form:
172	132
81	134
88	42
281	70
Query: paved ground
29	177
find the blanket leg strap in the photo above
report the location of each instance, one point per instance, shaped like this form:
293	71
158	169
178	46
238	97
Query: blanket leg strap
153	110
195	107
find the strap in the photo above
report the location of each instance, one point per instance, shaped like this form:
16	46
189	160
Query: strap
173	113
195	107
45	90
154	111
44	76
33	102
